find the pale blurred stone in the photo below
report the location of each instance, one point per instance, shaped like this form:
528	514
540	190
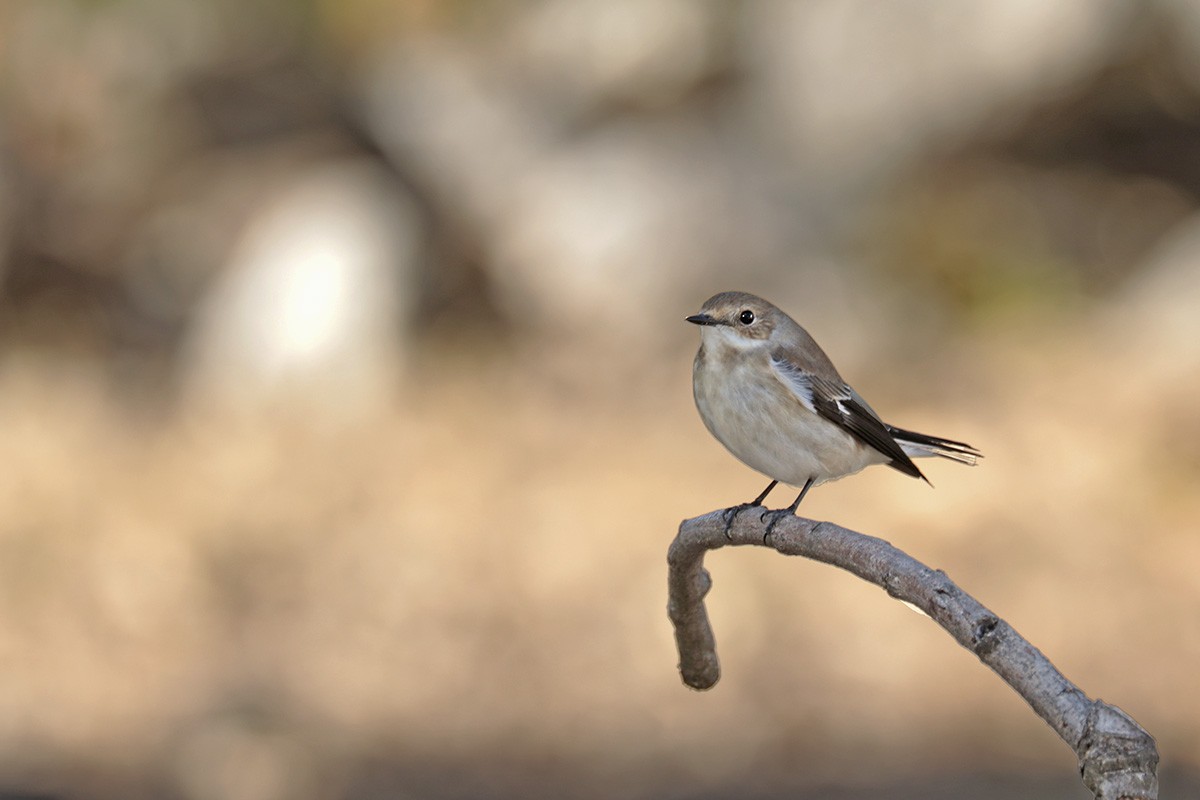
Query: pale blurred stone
309	308
849	87
590	236
647	51
465	131
599	238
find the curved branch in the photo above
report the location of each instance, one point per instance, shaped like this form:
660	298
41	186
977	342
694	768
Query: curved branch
1117	758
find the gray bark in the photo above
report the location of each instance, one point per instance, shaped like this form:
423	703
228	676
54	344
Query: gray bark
1117	758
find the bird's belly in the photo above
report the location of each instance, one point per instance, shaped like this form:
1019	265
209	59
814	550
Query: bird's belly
769	430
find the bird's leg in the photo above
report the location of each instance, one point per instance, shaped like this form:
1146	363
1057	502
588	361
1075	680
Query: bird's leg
731	513
758	501
783	512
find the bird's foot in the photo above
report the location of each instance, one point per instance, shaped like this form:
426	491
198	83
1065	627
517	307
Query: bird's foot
775	517
730	514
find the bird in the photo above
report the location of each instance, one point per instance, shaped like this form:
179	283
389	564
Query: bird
768	392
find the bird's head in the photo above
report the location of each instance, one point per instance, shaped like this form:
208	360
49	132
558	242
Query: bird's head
737	318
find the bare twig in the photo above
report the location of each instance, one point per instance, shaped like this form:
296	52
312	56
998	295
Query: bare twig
1117	758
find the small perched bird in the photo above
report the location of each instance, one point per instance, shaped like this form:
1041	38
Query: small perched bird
769	393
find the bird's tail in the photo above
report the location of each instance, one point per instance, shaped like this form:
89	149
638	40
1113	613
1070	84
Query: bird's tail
918	445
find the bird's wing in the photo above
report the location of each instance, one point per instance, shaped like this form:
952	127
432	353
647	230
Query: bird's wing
836	402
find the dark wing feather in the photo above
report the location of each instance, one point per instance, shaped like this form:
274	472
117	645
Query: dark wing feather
836	402
841	407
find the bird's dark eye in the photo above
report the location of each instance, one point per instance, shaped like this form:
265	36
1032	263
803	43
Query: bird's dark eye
746	317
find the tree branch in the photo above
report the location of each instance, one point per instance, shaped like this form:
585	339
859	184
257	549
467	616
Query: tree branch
1117	758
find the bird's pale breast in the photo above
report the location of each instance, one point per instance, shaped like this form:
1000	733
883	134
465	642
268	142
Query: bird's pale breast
749	410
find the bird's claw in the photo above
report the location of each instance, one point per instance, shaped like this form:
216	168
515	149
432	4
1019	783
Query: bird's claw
730	514
775	517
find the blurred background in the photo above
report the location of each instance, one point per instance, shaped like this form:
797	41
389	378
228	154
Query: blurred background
345	405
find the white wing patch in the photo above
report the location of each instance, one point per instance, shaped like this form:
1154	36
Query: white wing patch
797	380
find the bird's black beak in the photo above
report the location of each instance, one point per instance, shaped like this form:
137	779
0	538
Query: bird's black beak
703	319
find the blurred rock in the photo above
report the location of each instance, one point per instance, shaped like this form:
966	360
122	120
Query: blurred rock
464	132
202	208
599	239
311	307
584	233
846	88
646	53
